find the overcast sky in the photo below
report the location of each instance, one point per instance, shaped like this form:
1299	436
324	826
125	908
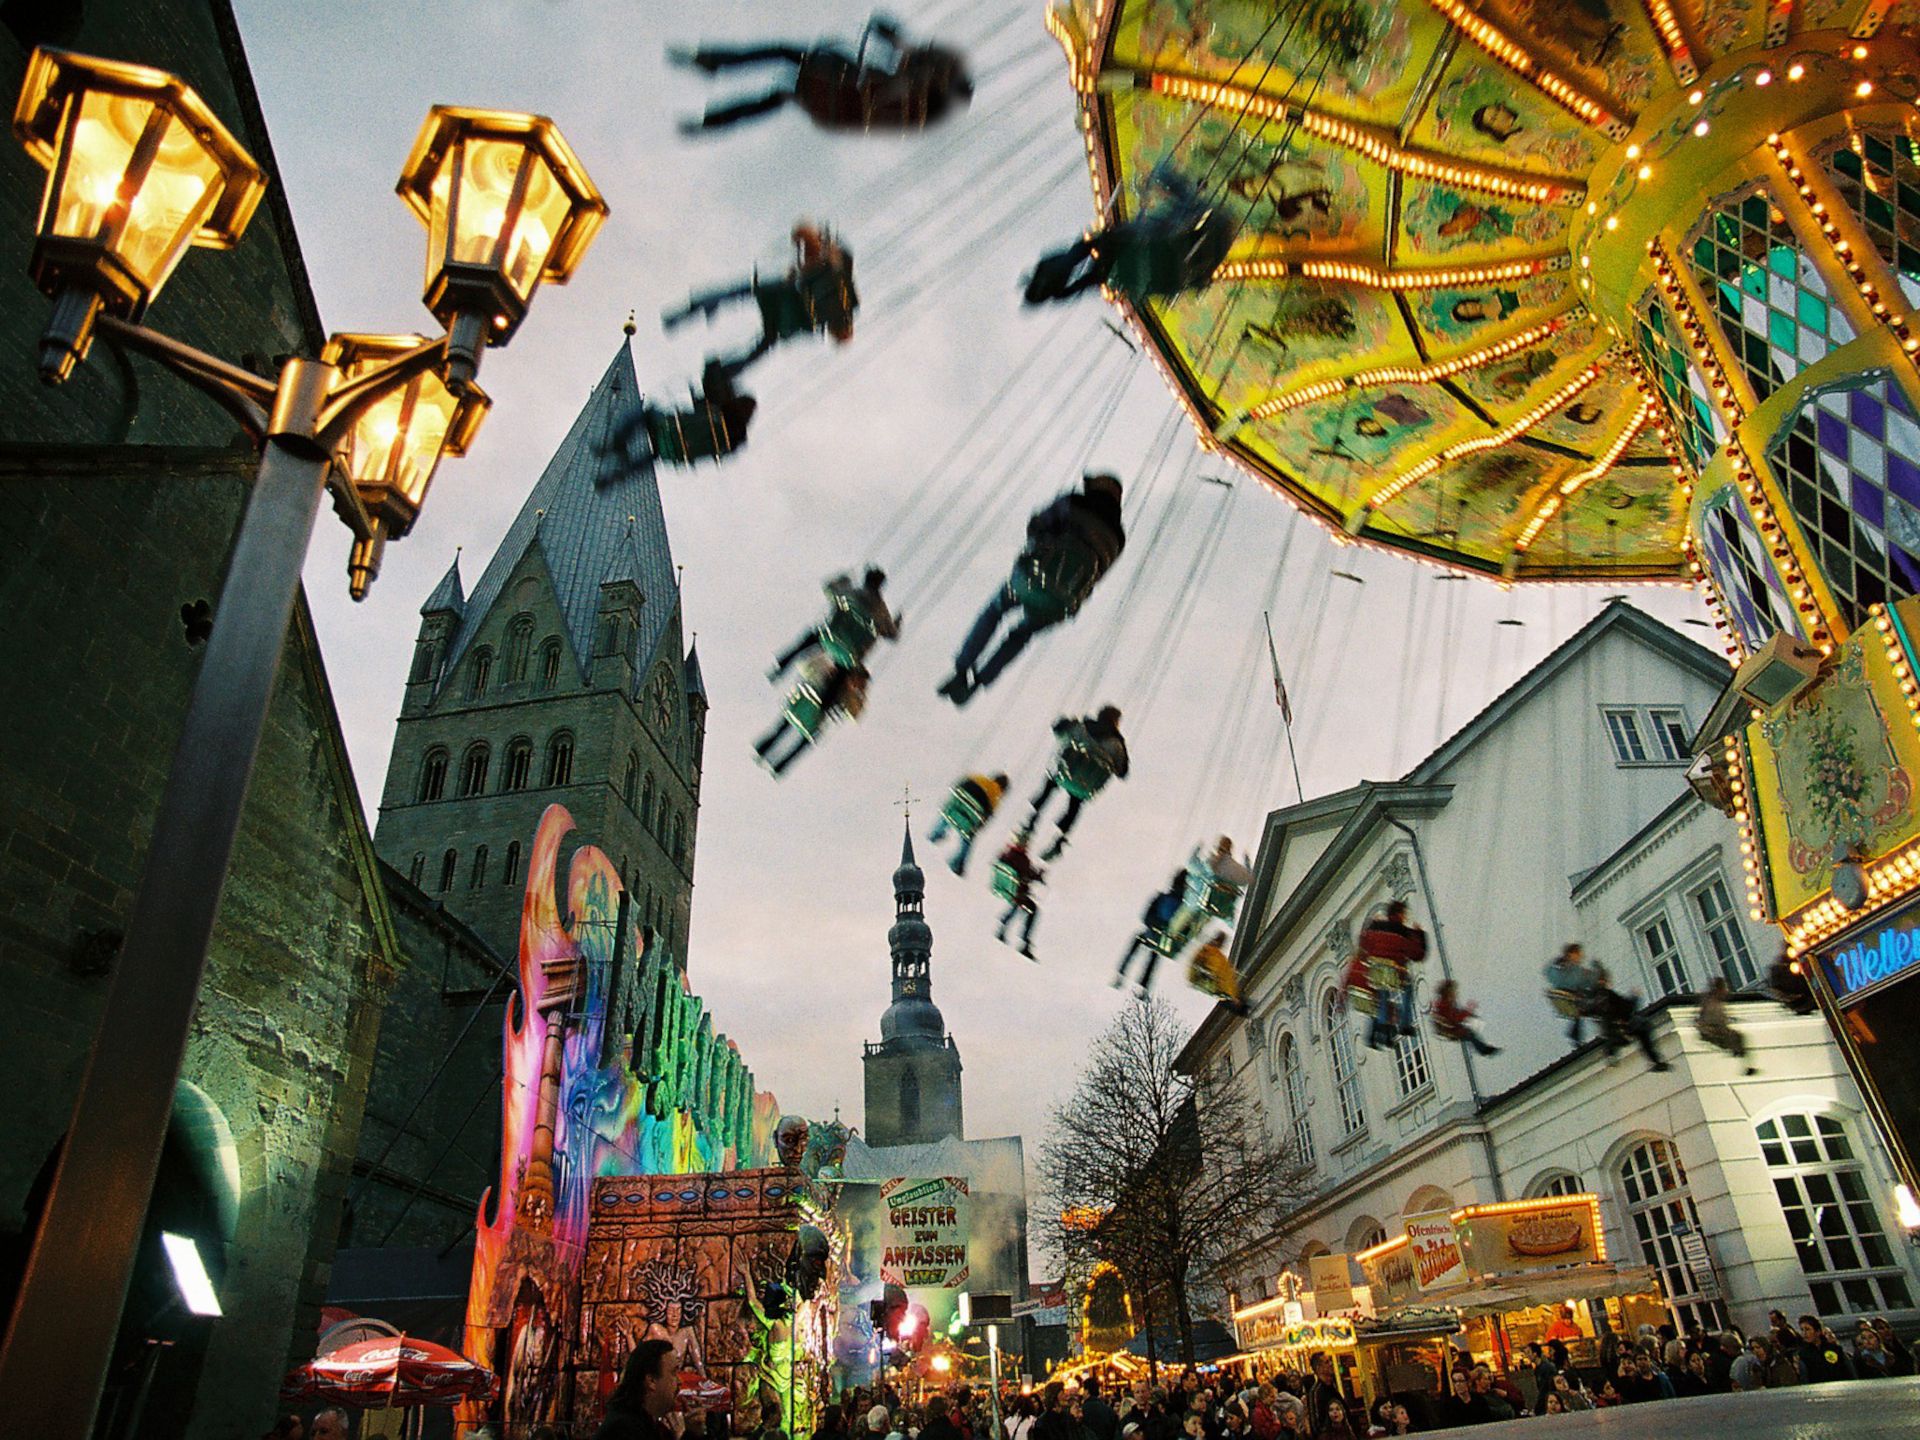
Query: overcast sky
793	899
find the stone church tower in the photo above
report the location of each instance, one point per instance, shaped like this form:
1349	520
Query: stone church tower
562	677
913	1073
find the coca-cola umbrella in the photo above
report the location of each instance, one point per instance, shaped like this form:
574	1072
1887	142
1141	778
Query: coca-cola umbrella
390	1370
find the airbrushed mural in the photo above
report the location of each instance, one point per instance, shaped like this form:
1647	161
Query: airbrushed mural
583	1100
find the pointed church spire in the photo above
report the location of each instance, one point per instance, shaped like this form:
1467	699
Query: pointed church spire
447	595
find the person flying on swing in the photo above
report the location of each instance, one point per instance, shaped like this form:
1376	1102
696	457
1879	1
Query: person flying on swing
1165	250
1091	752
888	85
857	621
1211	972
712	428
815	296
1071	543
1392	943
1215	881
1152	936
1014	878
970	804
824	693
1453	1020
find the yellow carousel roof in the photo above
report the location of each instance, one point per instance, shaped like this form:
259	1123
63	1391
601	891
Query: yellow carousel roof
1398	342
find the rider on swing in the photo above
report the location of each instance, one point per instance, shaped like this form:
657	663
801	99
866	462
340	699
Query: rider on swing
969	805
1212	973
1164	250
1215	881
1091	752
1152	936
884	86
824	693
1391	943
1014	878
859	620
711	429
1070	545
815	295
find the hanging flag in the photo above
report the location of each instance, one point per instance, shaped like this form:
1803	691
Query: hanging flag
1279	685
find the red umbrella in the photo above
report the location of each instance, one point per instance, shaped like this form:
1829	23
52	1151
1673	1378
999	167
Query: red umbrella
390	1370
696	1389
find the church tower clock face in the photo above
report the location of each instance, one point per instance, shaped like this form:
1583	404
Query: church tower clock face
660	701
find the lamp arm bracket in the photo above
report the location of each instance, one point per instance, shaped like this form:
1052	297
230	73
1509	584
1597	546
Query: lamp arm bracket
348	505
347	403
245	396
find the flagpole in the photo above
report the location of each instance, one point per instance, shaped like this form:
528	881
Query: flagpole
1286	710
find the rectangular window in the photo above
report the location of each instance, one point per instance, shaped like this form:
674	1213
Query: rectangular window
1669	733
1410	1072
1623	726
1724	935
1663	957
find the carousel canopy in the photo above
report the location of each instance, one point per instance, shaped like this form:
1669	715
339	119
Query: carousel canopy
1398	340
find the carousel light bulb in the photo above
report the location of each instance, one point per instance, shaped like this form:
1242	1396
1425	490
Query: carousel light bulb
1645	172
1696	96
1765	77
1863	89
1701	128
1796	71
1859	52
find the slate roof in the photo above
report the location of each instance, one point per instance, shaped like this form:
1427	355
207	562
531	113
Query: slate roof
447	595
577	513
694	681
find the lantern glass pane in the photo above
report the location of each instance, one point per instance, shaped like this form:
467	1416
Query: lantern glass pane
105	129
441	198
397	443
488	169
543	211
173	200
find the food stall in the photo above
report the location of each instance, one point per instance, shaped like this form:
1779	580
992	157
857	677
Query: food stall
1507	1274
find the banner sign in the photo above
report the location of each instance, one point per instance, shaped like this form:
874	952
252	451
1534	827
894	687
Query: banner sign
1332	1290
1437	1261
924	1245
1389	1272
1546	1236
1873	956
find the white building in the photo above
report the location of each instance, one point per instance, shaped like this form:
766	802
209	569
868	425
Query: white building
1560	812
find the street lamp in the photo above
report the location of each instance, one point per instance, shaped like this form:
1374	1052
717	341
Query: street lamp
138	169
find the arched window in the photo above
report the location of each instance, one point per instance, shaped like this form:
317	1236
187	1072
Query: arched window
426	659
549	664
560	759
1837	1235
479	672
449	862
477	877
433	775
1293	1085
630	782
680	839
473	770
1558	1182
418	869
1427	1199
519	763
519	641
1365	1233
1346	1074
512	871
1660	1211
909	1103
646	801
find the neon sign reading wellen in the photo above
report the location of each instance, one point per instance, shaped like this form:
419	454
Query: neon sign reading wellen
1876	956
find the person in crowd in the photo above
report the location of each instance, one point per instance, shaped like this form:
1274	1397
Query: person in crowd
1070	545
1715	1023
287	1427
1572	1396
1263	1416
1336	1426
1726	1349
1501	1404
1698	1378
1054	1422
1402	1420
970	804
1021	1418
833	1424
1821	1356
1608	1397
1462	1406
1570	985
1871	1359
879	1422
1097	1415
1553	1405
648	1392
1893	1345
857	619
1382	1419
1453	1020
883	83
939	1424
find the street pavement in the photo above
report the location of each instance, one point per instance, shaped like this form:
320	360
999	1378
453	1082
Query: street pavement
1845	1410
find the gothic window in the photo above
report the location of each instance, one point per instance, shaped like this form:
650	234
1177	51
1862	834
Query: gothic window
417	870
560	759
473	770
661	701
1293	1084
549	664
1346	1073
519	763
1660	1213
646	801
449	862
1877	172
1770	299
1751	588
519	641
1662	351
1850	465
909	1103
433	775
680	839
1837	1235
426	659
630	783
511	873
479	671
477	877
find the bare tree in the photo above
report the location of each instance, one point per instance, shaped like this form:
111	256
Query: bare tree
1159	1173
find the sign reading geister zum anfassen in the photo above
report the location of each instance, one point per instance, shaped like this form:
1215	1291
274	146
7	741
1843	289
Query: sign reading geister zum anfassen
924	1246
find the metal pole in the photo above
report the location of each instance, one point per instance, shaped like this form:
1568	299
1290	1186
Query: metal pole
993	1378
54	1361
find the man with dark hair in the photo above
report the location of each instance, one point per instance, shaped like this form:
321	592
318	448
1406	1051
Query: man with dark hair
1100	1420
939	1424
648	1392
1054	1422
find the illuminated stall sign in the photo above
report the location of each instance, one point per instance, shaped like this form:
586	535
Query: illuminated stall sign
1543	1235
1437	1261
1874	956
926	1233
1389	1272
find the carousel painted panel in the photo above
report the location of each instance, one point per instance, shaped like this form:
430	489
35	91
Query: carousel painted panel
1483	112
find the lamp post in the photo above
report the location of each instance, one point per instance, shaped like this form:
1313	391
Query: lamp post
138	170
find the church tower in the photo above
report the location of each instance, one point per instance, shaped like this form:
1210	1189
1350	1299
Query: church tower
913	1073
563	676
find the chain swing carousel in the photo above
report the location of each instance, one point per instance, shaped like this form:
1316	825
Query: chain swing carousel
1589	290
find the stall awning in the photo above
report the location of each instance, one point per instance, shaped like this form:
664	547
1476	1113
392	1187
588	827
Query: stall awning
1496	1295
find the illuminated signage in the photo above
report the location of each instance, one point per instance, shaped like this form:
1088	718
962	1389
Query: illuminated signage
1873	956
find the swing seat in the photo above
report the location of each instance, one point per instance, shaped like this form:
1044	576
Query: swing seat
1362	1002
1449	1029
1210	895
847	635
1211	973
1566	1002
1053	581
1005	882
1171	254
963	814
